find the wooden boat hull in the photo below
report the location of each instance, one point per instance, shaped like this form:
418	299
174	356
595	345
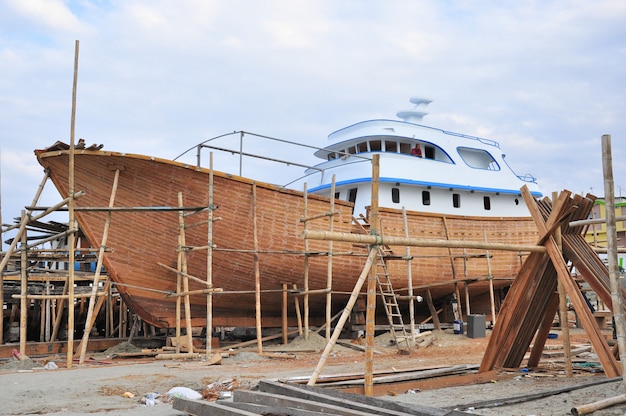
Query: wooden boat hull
257	233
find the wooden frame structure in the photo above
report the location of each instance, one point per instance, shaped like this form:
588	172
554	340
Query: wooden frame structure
533	300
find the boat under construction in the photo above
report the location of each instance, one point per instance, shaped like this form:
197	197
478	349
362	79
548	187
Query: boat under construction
243	245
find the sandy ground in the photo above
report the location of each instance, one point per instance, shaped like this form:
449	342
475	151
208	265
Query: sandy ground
103	385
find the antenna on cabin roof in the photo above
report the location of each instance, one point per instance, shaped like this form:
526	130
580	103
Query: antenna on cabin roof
417	113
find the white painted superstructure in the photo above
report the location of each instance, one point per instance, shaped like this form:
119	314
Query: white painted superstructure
456	174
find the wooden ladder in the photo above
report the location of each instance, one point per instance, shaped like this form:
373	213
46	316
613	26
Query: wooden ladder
390	301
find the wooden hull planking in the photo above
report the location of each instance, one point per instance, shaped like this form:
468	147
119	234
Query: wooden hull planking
139	240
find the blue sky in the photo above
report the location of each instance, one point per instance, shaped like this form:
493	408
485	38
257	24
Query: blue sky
543	78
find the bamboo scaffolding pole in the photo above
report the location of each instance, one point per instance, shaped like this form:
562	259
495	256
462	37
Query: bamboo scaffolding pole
48	239
70	206
417	242
186	275
53	297
195	292
119	209
24	290
329	265
188	328
345	314
372	280
617	298
257	274
595	221
90	320
305	301
409	276
209	264
330	213
179	264
601	404
313	292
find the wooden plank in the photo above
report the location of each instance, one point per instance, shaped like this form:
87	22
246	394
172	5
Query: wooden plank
34	349
330	395
318	396
259	409
431	383
531	396
269	399
204	408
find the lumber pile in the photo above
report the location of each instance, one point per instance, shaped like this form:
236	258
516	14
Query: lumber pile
532	302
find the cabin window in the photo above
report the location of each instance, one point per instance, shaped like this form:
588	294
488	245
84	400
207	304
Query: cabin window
395	195
375	146
405	148
391	146
429	152
352	195
478	158
456	200
336	195
362	147
351	150
425	197
487	203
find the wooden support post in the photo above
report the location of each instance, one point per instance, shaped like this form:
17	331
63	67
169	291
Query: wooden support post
458	313
60	306
492	302
298	313
284	315
109	312
409	277
123	319
567	349
433	311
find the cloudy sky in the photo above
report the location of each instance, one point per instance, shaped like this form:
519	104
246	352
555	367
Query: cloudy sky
543	78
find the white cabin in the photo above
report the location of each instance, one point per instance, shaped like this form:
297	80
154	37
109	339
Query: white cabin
456	174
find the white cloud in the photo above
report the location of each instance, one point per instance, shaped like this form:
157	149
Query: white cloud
51	14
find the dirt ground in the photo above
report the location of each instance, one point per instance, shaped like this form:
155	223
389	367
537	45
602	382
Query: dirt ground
109	385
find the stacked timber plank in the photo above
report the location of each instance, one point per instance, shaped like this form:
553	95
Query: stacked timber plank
531	304
275	398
